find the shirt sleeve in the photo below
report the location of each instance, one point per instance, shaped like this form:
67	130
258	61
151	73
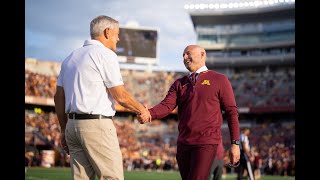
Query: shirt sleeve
167	105
60	76
110	70
228	104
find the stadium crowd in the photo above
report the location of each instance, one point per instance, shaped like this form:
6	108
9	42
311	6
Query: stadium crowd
252	88
264	87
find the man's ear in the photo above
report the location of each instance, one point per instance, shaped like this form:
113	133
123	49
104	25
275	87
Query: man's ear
202	54
106	33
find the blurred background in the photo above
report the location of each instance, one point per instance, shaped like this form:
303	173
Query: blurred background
252	42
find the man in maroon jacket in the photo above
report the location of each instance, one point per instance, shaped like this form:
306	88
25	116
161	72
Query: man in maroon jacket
201	97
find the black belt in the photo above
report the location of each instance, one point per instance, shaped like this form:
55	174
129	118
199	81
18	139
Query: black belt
88	116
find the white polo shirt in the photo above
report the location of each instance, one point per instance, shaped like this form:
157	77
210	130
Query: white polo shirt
85	74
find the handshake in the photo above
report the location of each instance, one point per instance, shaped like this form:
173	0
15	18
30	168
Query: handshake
144	116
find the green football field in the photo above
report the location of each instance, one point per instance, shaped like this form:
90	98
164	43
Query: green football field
38	173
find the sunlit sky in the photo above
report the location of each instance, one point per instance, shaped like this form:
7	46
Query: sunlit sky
54	28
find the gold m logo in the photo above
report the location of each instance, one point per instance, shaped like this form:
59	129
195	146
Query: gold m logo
207	82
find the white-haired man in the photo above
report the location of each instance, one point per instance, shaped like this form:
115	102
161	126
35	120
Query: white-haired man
88	84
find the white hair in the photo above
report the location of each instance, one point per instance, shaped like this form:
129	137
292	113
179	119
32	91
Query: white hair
100	23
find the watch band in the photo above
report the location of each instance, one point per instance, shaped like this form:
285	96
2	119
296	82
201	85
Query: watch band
235	142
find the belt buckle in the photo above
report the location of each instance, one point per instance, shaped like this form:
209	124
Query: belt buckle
73	115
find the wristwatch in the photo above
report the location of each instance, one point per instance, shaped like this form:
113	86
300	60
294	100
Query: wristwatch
235	142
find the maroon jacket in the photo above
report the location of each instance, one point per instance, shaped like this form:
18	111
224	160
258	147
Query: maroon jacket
200	108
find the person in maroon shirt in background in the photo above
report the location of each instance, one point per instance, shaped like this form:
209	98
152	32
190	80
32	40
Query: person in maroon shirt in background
218	163
200	102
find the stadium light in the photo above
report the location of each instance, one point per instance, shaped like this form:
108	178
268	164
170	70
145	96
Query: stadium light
223	6
271	2
238	4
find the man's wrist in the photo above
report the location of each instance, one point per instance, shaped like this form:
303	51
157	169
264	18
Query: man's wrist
235	142
152	114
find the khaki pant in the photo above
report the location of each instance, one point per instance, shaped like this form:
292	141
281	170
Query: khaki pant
94	149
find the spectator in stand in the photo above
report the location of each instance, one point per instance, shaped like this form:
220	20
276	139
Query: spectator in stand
201	96
88	84
28	155
217	168
257	164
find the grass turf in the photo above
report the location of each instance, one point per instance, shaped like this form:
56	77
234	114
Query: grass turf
38	173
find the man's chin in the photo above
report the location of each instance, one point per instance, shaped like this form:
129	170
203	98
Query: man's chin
187	66
190	69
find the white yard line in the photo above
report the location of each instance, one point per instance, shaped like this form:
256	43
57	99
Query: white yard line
36	178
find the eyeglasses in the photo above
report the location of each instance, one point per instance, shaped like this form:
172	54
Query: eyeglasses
231	165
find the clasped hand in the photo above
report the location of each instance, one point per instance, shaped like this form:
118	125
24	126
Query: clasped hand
145	116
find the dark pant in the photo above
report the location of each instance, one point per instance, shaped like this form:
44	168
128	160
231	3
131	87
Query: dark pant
244	164
195	161
217	169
